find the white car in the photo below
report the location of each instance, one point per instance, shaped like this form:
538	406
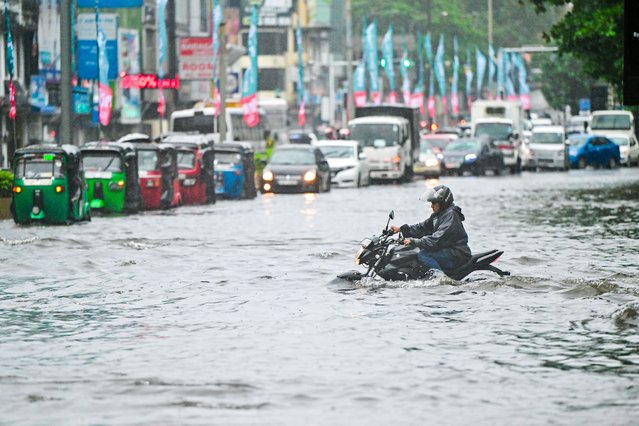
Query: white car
548	147
628	147
348	164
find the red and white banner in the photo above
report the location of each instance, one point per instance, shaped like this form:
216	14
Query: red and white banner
105	103
250	110
195	56
301	115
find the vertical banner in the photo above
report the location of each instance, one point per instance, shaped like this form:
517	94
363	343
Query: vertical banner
217	20
49	39
373	62
403	69
301	116
468	72
491	70
454	95
359	86
162	51
500	74
428	47
387	54
105	95
510	87
129	99
417	98
524	90
440	73
9	63
249	82
481	69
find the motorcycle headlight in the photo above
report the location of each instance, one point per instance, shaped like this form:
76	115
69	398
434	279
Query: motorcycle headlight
365	243
358	261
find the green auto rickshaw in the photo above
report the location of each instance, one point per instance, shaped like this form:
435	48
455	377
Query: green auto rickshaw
48	185
111	174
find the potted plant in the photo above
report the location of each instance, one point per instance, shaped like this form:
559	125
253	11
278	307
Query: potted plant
6	188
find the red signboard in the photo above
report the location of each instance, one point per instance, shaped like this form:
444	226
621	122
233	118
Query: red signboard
148	81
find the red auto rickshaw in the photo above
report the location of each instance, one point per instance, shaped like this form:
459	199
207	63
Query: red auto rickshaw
195	158
158	173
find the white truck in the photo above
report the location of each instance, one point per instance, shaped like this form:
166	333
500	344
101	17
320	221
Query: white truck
502	122
389	137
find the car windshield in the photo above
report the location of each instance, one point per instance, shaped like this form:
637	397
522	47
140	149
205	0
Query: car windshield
499	131
227	158
425	147
610	122
577	140
467	145
337	151
196	123
620	140
147	160
436	144
375	135
107	162
43	167
186	159
292	157
548	138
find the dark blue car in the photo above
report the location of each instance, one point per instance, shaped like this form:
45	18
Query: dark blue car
235	171
592	150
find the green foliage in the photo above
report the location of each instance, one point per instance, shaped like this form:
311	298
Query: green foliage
591	31
6	183
564	81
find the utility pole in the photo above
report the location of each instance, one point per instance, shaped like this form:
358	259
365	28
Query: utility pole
223	71
350	102
66	108
490	22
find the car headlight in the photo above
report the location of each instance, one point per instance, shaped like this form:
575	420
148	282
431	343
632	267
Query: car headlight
470	157
267	175
310	176
432	162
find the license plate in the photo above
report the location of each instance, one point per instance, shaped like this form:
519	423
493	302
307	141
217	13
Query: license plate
453	165
287	182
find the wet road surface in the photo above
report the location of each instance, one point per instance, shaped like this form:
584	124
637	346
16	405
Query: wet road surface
231	313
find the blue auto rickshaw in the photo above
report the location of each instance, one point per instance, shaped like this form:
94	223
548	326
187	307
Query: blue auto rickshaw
235	170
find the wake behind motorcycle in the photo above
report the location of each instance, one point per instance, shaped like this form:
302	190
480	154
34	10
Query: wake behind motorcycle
387	257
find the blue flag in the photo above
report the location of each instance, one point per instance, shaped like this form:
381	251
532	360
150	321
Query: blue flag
481	70
491	70
387	52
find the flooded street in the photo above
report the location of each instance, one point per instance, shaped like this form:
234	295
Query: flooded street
231	313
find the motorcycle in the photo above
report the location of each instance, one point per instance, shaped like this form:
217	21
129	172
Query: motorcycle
387	257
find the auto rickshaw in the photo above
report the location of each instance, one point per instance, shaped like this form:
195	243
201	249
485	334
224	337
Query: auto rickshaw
157	172
111	174
235	170
49	186
195	158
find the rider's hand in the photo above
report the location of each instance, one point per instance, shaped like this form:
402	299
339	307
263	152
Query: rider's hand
408	241
394	229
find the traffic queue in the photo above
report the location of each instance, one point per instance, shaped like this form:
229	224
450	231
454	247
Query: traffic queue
62	184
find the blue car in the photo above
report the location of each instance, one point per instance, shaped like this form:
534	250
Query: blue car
235	171
592	150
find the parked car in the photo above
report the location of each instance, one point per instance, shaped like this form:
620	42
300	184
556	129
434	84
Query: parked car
476	155
593	150
628	148
195	160
429	163
296	168
235	170
48	185
548	147
348	164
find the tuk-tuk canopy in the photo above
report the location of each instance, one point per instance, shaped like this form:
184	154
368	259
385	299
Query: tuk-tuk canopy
187	140
70	152
107	146
238	147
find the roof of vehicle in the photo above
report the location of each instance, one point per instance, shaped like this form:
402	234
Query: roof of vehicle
193	111
612	112
548	129
299	147
135	137
378	119
187	140
243	147
120	147
336	142
439	136
48	148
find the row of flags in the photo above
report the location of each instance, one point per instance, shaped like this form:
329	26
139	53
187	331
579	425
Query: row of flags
507	75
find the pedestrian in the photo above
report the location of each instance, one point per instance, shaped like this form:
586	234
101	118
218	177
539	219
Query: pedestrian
442	238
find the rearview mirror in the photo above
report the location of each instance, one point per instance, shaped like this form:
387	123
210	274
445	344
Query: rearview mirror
391	215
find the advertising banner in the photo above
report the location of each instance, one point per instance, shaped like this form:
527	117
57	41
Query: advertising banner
272	13
129	63
111	3
249	82
49	39
88	47
195	55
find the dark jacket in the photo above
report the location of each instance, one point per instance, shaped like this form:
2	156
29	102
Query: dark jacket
443	230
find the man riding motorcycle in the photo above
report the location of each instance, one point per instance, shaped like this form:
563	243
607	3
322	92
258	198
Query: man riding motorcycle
442	238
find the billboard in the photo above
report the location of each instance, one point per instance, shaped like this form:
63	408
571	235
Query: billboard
272	13
88	46
49	40
129	62
196	58
110	3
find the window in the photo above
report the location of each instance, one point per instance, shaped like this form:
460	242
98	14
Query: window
269	43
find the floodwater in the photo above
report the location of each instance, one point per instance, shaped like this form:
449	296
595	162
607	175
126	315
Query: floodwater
231	314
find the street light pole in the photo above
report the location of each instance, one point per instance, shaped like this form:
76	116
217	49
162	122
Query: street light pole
490	22
350	102
66	109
